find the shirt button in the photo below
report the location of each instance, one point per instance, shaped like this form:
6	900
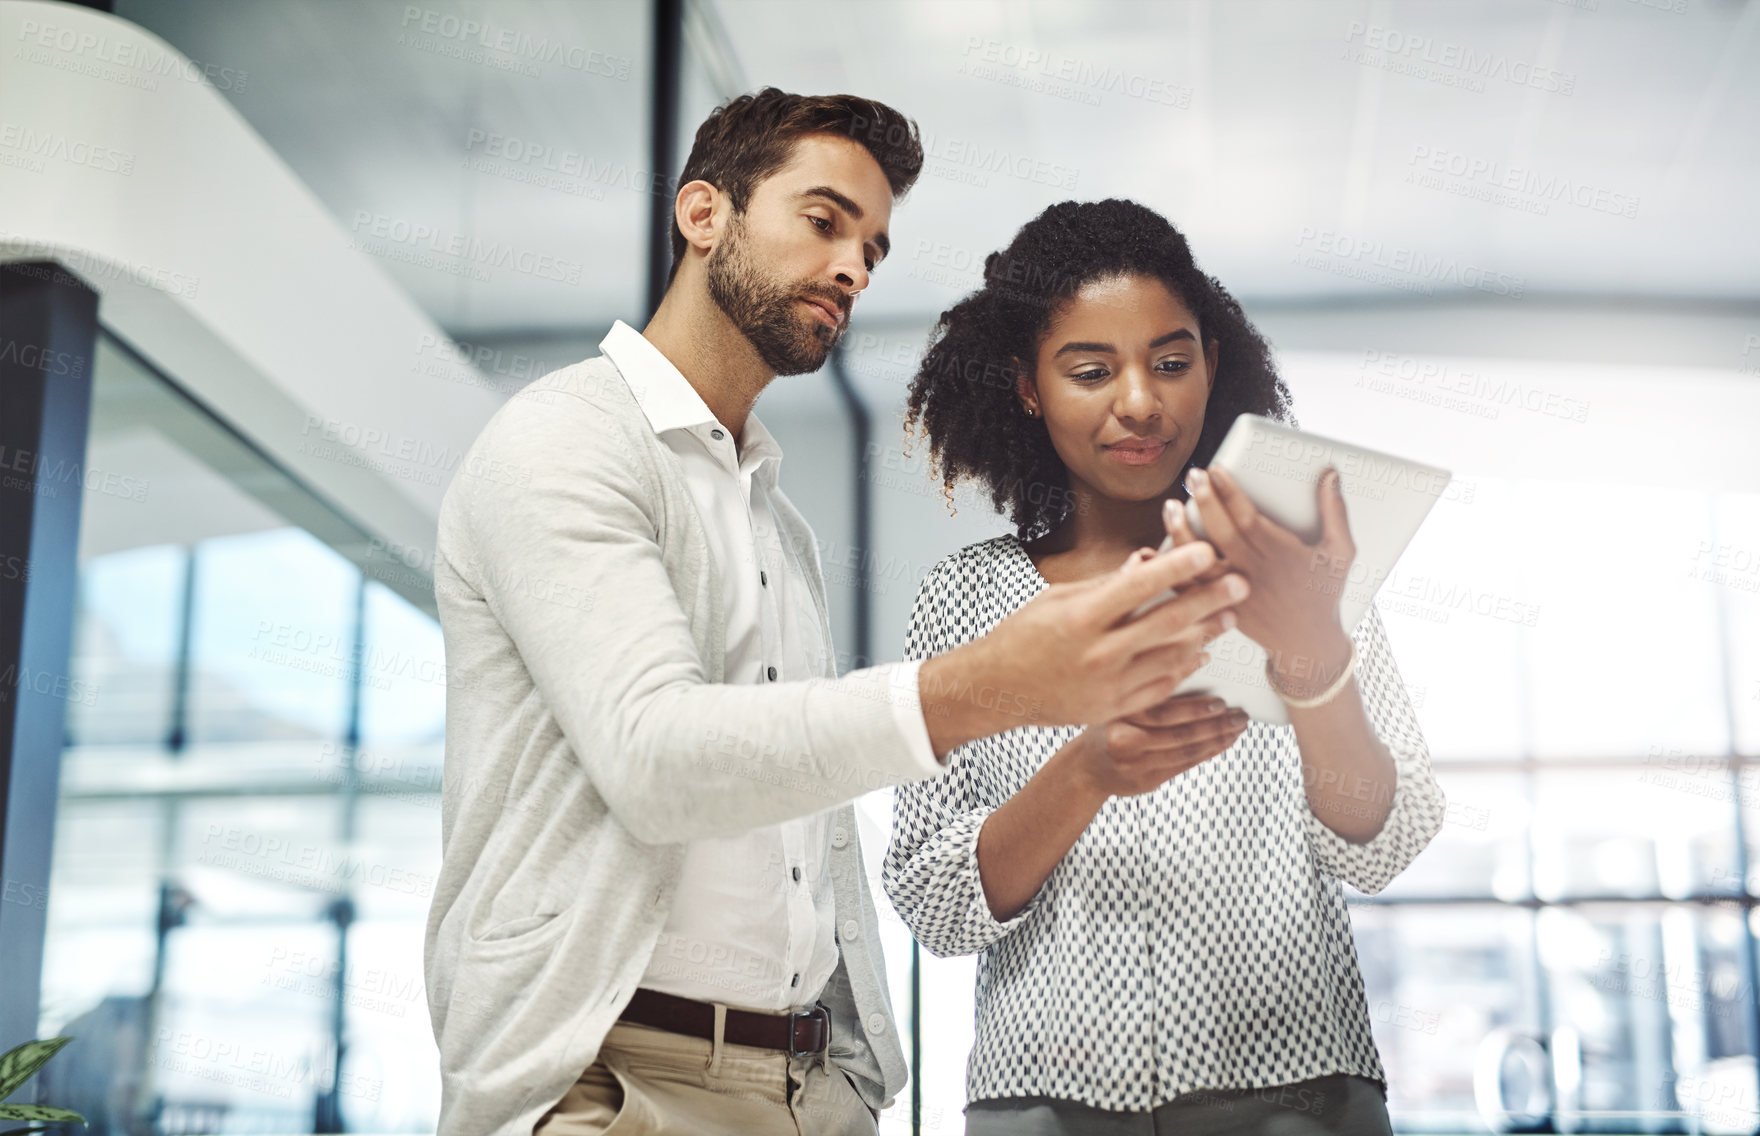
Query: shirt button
795	981
852	930
717	435
772	673
797	875
839	838
875	1025
763	579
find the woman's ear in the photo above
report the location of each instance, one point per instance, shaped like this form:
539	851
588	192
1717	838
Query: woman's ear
1212	351
1026	391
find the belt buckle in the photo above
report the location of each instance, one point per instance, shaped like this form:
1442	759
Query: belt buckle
818	1014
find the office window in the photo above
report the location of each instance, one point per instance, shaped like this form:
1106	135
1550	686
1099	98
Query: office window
249	826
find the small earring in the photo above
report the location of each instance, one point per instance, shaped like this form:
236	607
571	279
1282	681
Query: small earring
1031	413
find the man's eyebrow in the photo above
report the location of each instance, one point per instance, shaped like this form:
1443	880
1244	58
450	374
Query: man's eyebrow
844	203
1077	346
835	198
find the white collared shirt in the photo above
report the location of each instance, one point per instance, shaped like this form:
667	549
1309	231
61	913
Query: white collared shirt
753	921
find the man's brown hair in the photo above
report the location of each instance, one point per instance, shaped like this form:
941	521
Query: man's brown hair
751	137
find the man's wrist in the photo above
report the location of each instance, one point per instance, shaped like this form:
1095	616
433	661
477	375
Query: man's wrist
964	696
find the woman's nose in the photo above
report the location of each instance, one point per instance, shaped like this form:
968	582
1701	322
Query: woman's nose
1136	397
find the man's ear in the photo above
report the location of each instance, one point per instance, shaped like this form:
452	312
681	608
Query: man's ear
1212	350
694	211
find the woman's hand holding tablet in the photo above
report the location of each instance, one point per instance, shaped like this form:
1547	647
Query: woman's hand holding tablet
1292	612
1314	544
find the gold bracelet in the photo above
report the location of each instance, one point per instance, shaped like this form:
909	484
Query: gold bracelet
1324	697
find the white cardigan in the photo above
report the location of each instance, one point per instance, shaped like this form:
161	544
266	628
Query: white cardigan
587	738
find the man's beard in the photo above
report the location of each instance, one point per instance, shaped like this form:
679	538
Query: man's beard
767	310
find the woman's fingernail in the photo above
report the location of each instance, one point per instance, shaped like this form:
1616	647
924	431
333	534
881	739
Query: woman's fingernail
1228	621
1196	478
1169	510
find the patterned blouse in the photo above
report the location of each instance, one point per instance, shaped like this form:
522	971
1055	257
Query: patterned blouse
1195	937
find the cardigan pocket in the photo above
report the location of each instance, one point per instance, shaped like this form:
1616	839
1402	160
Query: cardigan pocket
511	936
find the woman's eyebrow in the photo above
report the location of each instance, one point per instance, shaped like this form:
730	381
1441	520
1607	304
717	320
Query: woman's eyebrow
1076	346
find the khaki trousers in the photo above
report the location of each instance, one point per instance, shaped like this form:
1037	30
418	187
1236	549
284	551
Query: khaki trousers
651	1082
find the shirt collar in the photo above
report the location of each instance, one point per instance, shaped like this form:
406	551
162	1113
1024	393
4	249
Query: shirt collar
671	403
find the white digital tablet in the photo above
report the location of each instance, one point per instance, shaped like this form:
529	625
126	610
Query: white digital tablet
1386	499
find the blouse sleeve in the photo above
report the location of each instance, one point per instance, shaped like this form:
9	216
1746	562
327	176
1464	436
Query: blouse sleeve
931	868
1418	803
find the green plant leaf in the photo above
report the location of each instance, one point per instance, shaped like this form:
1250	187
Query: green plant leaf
18	1064
40	1112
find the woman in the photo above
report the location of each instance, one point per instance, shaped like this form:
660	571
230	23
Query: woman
1163	934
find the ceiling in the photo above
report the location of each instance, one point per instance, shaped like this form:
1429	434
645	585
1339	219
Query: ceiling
1313	151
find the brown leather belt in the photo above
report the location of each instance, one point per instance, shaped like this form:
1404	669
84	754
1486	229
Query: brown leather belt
798	1034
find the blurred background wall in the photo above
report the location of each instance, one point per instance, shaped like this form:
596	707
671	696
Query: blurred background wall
1516	238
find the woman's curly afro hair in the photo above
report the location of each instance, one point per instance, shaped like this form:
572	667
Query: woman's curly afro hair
963	396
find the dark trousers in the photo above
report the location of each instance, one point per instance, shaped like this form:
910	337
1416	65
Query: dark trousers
1340	1103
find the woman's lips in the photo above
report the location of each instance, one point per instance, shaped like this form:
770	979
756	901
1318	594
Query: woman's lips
1137	453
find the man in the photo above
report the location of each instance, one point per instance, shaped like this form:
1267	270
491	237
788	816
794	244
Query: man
651	906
